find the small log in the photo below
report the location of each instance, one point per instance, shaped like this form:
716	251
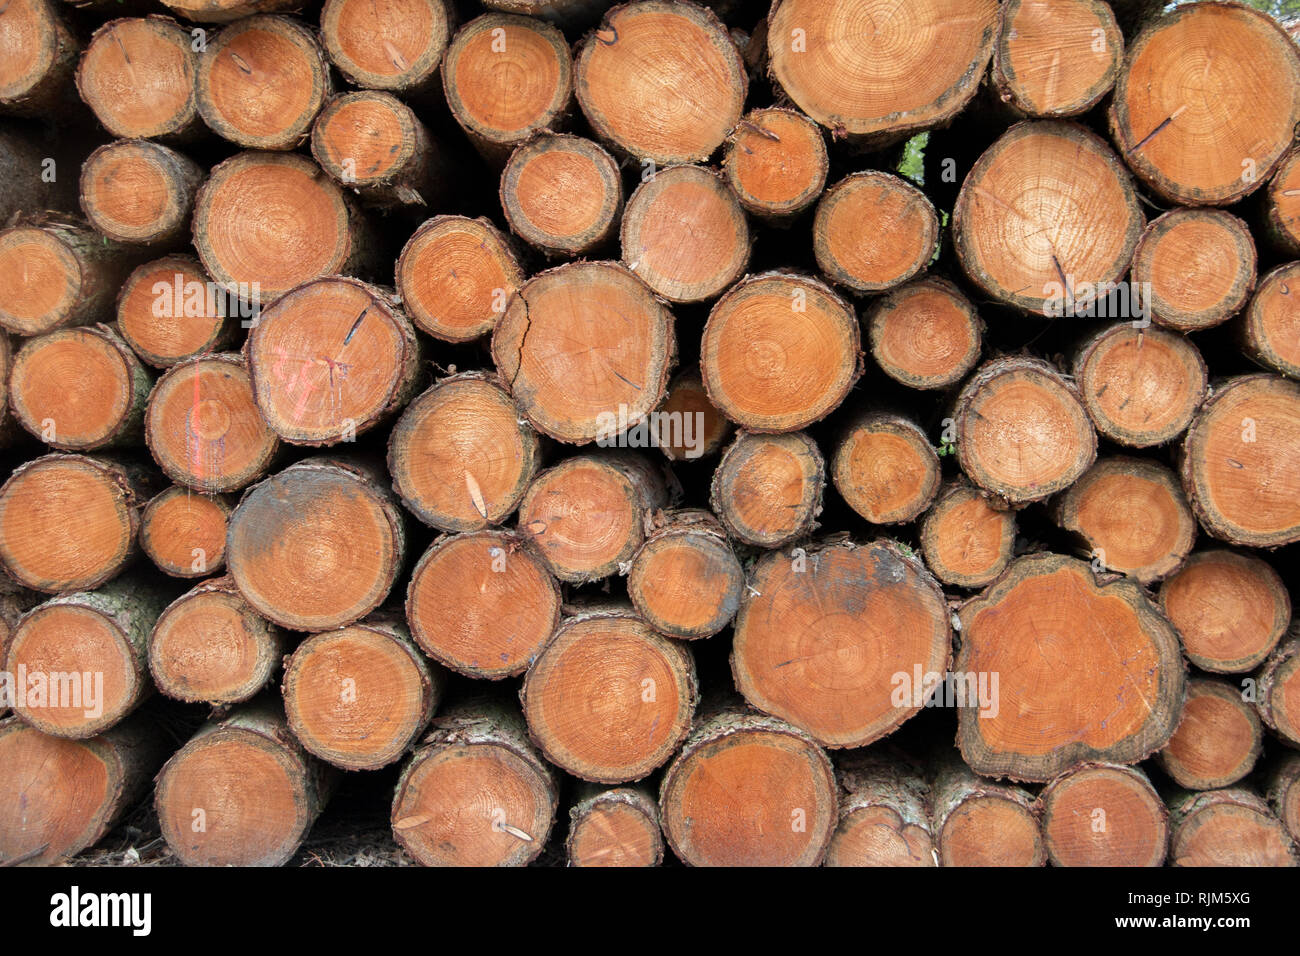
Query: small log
615	827
690	427
1056	58
884	814
871	615
477	793
909	72
1283	793
266	222
1230	608
1256	101
1218	740
373	143
966	542
776	163
1268	329
1022	431
786	811
359	697
84	658
184	534
44	819
1277	691
261	81
79	389
56	273
767	489
981	823
874	231
1132	515
1100	814
137	76
587	515
456	275
1230	827
1104	643
1281	219
1047	219
885	468
925	334
241	792
685	234
169	310
650	53
686	581
642	685
392	45
588	322
318	545
331	359
140	192
507	78
38	54
780	352
203	426
1195	268
69	522
461	456
483	603
209	646
1240	462
1141	387
562	194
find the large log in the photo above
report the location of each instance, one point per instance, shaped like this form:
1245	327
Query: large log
1102	678
843	641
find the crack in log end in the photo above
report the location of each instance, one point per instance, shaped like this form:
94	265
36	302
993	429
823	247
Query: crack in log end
241	63
356	325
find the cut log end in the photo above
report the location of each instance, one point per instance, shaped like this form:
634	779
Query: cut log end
455	276
1218	740
460	457
748	790
39	55
1270	328
1141	386
1254	109
210	646
331	359
203	426
589	322
391	45
1230	608
1278	692
776	163
1105	642
1282	205
562	194
184	534
137	191
1231	827
981	824
646	53
45	281
1241	462
1056	59
359	696
1022	431
482	604
617	827
1104	815
925	334
316	546
1196	268
167	312
1133	516
884	814
262	81
642	685
686	581
690	427
507	78
780	352
874	231
967	542
373	143
685	234
768	488
885	469
119	55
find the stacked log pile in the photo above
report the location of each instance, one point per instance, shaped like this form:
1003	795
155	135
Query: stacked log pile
770	432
